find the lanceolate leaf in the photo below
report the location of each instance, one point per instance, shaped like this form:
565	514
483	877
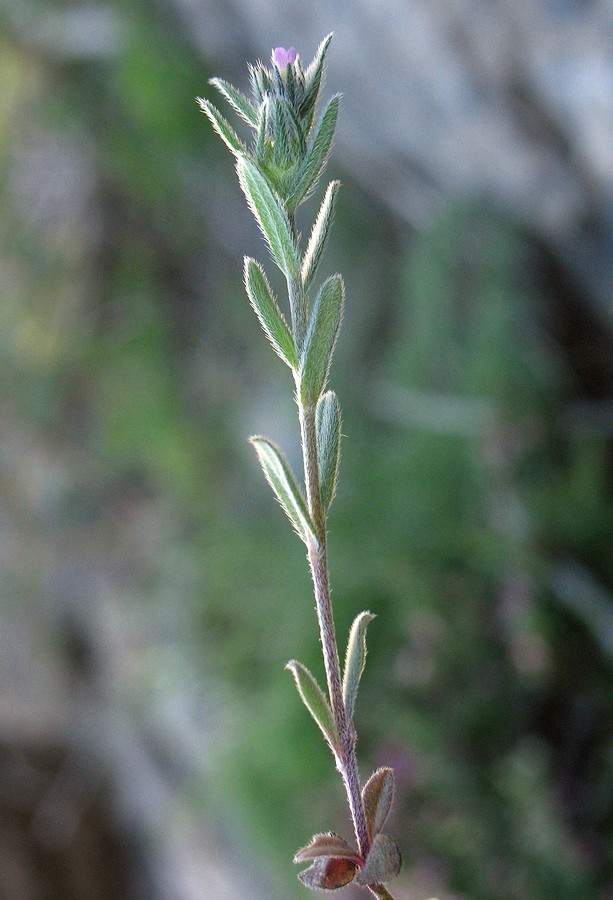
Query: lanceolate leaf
313	78
328	427
382	863
315	701
222	127
241	104
319	235
286	132
270	215
315	161
355	660
260	81
329	844
320	339
262	148
377	797
282	480
268	312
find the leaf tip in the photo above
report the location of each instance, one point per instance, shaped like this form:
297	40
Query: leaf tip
355	659
327	844
315	701
377	797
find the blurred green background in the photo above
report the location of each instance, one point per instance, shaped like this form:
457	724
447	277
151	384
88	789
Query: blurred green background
152	592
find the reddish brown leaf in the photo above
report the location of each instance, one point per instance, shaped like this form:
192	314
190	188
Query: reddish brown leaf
329	844
377	797
328	873
382	863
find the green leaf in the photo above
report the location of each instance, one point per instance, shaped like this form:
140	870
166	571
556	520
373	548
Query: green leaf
222	127
286	132
313	79
355	660
270	215
377	797
259	77
382	863
282	480
268	312
315	161
262	146
319	235
315	701
329	844
320	339
242	105
328	428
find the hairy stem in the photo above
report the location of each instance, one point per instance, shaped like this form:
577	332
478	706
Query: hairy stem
380	891
318	562
346	758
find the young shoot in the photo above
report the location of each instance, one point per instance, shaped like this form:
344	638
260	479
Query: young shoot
278	169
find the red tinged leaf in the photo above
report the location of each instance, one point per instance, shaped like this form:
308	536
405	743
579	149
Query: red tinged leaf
382	863
328	873
377	797
329	844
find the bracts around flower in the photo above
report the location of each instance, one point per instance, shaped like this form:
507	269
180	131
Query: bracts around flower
278	170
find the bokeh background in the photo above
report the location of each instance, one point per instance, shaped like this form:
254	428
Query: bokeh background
151	745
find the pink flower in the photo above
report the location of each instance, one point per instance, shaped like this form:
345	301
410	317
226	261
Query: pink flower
283	58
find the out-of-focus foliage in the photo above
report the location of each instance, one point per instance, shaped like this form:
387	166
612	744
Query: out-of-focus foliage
478	458
473	513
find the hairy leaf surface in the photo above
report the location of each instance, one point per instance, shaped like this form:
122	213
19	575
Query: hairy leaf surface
315	701
245	107
355	660
377	797
270	215
267	309
319	235
283	482
322	331
222	127
328	427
